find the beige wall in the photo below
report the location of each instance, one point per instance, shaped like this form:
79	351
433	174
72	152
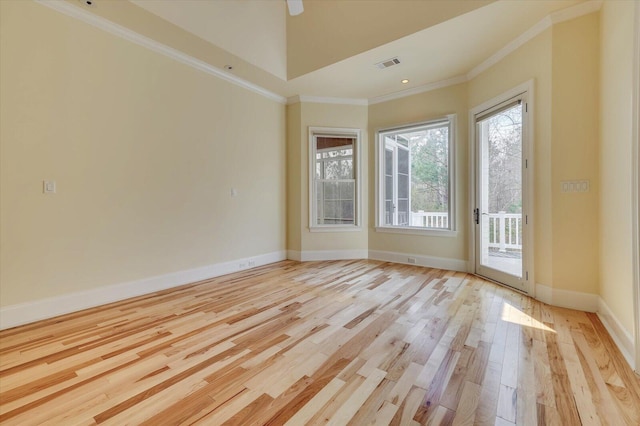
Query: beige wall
574	153
144	151
295	179
412	109
616	261
563	62
302	116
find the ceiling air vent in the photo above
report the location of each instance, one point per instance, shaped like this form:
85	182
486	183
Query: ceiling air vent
388	63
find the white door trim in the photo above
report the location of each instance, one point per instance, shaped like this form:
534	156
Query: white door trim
528	200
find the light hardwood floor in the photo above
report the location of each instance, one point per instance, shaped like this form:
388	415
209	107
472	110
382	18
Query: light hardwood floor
342	342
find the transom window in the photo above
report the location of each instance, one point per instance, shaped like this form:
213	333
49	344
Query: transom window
415	176
333	189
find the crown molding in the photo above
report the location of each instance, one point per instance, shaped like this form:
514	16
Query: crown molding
76	12
419	89
326	100
552	19
134	37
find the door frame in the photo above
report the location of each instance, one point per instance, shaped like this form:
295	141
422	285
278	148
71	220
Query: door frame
527	180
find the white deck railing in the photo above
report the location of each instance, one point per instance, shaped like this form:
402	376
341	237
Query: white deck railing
430	219
505	229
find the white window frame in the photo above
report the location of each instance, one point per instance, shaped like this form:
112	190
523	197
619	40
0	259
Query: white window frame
334	132
450	119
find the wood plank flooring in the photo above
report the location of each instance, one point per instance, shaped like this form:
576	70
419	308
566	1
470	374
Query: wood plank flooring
341	342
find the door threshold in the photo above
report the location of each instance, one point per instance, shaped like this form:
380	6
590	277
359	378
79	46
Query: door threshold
500	284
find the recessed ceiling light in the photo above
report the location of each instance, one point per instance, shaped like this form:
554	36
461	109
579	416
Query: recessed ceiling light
405	81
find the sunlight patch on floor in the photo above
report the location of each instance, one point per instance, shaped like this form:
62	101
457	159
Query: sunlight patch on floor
514	315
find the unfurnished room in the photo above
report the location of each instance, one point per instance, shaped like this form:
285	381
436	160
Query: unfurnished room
303	212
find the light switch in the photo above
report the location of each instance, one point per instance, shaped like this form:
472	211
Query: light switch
49	186
575	186
234	192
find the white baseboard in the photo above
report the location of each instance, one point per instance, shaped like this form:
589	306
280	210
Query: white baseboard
622	337
294	255
590	302
314	255
587	302
386	256
420	260
25	313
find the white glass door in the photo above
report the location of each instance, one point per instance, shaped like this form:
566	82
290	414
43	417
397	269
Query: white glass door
499	193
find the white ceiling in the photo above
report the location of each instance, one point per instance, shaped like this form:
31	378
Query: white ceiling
254	30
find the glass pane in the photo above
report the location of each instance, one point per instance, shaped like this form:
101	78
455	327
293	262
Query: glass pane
403	161
330	208
403	212
388	212
319	199
403	186
388	162
347	190
346	169
332	169
501	191
388	189
429	182
347	211
331	191
335	172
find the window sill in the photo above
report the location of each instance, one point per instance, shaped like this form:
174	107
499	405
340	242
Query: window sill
335	228
430	232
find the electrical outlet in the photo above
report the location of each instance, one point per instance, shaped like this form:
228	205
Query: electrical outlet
242	265
252	263
49	186
411	260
